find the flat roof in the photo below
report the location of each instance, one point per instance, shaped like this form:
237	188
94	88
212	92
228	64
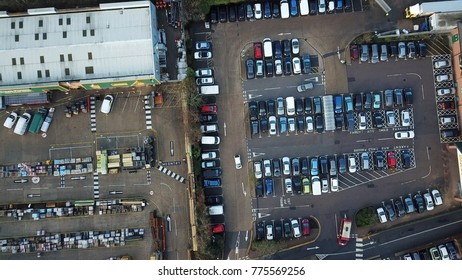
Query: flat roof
115	40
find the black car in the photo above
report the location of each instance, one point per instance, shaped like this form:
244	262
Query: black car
207	118
287	229
393	49
262	108
276	167
213	14
250	67
276	10
408	96
319	121
254	127
232	12
317	105
452	251
260	231
299	106
278	230
421	49
347	5
253	110
406	158
264	125
297	187
379	160
213	191
339	121
223	13
308	105
286	48
419	202
301	124
367	100
378	120
259	188
399	208
358	103
211	173
277	49
305	166
350	121
267	10
269	68
323	163
241	12
271	106
214	200
390	211
287	66
313	7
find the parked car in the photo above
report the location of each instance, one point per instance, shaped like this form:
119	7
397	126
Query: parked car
354	52
437	197
305	87
276	167
306	226
399	208
390	211
295	228
11	120
206	72
260	231
297	69
420	203
286	165
269	232
200	46
351	164
364	53
295	43
382	216
409	205
257	11
306	63
259	188
379	160
428	201
442	63
257	169
401	50
202	55
411	49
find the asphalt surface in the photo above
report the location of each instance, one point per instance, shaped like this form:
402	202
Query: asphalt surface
232	40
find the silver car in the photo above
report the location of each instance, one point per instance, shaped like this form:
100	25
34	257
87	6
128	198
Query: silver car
286	166
365	161
280	106
383	53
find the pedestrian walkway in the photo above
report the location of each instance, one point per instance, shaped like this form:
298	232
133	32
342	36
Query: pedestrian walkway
95	185
359	248
92	114
171	174
147	111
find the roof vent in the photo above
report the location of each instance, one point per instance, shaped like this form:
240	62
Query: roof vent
41	11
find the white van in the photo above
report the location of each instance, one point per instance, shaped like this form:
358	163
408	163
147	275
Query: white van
267	48
210	140
237	161
316	185
107	104
216	210
209	90
304	9
22	123
290	105
284	9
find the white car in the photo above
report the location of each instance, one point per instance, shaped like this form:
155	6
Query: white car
322	6
202	55
257	169
447	120
291	122
443	78
351	164
445	91
309	124
204	81
382	215
107	104
209	128
444	252
269	232
288	184
272	125
207	72
297	68
362	121
428	201
202	46
324	185
11	120
333	184
278	67
441	64
296	228
295	46
305	87
437	197
331	7
209	155
267	166
237	161
404	135
405	118
258	13
286	165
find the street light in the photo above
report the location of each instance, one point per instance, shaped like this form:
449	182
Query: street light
338	54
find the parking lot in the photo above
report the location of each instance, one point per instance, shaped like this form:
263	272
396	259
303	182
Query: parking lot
122	129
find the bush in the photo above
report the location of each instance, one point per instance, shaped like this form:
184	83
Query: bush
366	217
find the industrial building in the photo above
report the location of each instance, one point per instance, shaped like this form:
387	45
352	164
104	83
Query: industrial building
113	45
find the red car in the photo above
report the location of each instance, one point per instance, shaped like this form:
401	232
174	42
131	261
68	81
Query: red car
217	229
354	51
391	160
257	51
306	226
447	105
209	109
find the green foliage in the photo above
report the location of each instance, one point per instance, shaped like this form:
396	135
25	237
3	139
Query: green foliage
366	217
265	247
190	73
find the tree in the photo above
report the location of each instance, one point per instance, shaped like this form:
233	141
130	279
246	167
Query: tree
366	217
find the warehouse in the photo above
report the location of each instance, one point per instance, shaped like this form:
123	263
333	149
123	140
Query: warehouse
113	45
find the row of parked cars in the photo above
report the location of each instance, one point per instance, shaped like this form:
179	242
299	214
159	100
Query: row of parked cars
446	251
276	9
283	229
382	52
410	204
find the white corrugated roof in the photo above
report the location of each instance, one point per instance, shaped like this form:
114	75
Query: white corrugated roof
116	43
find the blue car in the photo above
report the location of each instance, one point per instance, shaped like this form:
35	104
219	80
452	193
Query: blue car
338	104
293	8
212	183
267	10
269	186
283	124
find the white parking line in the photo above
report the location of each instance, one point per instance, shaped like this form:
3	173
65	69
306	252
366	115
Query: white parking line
272	88
18	189
39	188
382	139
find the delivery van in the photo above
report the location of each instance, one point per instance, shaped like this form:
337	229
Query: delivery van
209	90
285	9
304	10
290	105
216	210
267	48
21	125
210	140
